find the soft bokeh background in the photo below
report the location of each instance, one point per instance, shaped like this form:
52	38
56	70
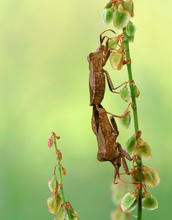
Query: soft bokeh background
44	88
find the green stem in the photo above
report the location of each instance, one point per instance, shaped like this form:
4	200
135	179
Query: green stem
135	116
61	182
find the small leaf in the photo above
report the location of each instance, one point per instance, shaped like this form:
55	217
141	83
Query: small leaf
126	120
125	94
116	59
150	176
143	150
107	15
120	19
127	201
149	202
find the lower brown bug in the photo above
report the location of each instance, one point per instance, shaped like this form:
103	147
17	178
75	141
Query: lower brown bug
107	132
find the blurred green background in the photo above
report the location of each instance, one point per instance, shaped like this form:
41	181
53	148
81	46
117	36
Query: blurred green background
44	88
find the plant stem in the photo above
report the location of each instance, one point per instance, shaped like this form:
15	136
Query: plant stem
135	116
61	181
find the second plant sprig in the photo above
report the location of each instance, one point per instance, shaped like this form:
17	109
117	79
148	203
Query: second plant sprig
120	12
57	203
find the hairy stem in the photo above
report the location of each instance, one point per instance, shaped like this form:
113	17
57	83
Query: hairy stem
135	116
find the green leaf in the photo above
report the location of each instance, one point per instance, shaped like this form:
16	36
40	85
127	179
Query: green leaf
149	202
125	94
107	15
120	19
127	202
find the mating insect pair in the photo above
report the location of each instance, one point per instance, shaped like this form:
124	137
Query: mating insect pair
106	132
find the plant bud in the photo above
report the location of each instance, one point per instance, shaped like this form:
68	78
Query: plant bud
59	155
50	142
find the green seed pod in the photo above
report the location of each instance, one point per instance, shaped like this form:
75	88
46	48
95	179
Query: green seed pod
54	204
143	150
107	15
129	7
108	5
118	214
61	214
120	19
112	43
131	143
52	184
125	93
128	202
59	155
130	29
126	120
137	92
150	176
116	59
149	202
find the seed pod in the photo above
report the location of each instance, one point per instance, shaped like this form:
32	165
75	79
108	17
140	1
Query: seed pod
129	7
107	15
126	120
130	29
149	202
128	202
150	176
120	18
116	59
125	93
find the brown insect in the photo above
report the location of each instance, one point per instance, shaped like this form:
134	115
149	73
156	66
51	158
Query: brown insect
107	133
97	60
